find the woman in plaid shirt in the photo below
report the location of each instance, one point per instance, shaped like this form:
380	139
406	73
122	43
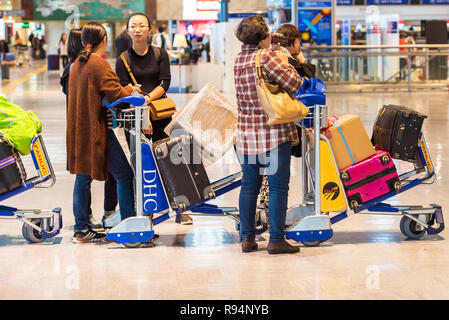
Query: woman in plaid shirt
259	145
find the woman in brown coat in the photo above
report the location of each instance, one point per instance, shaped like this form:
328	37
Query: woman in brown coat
92	149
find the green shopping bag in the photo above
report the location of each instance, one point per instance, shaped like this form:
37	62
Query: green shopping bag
18	125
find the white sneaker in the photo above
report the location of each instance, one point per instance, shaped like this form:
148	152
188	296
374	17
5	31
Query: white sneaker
94	224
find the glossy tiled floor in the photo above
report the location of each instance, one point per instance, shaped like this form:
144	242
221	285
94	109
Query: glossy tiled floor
367	258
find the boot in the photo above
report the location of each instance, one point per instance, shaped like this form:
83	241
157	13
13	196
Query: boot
249	245
281	247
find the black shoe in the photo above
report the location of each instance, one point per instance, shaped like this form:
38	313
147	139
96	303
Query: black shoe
88	236
183	219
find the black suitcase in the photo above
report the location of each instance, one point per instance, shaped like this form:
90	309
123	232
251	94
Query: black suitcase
183	174
397	131
12	172
52	62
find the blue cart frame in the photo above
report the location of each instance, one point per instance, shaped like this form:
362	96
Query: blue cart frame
38	225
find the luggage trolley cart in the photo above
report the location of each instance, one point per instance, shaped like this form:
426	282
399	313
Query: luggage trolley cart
152	204
38	225
324	201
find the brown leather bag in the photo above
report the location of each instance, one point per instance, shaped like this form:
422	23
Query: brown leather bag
160	108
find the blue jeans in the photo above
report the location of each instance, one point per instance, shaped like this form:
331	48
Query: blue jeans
276	162
110	195
121	171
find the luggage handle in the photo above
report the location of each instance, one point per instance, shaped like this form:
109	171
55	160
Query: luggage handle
132	100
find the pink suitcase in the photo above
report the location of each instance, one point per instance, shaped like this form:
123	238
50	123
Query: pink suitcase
369	179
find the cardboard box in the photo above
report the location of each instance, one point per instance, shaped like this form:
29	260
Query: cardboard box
212	121
355	146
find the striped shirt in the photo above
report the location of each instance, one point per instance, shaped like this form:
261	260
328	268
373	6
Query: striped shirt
254	135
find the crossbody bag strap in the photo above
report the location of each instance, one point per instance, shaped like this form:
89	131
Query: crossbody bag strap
127	67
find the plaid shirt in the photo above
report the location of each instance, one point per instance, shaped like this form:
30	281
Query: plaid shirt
254	136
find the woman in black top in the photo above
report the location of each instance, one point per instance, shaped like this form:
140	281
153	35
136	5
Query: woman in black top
150	67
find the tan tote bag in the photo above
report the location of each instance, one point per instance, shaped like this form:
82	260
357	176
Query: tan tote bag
278	105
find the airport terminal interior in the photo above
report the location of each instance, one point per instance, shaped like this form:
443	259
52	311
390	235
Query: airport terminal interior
367	256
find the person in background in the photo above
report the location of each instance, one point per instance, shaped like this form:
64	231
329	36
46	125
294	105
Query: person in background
62	50
161	39
123	42
402	59
259	145
292	42
151	70
92	148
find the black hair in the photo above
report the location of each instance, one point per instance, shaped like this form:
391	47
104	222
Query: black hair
161	29
252	30
138	14
92	35
291	33
74	44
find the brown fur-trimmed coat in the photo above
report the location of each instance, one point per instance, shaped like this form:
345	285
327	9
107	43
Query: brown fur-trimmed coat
86	135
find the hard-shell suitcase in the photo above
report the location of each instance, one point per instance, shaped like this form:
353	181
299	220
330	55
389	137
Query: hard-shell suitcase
53	62
397	130
12	172
183	174
369	179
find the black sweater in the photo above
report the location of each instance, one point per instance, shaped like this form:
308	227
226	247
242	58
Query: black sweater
305	70
148	72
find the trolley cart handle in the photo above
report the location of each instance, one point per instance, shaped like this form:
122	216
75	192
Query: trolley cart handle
132	100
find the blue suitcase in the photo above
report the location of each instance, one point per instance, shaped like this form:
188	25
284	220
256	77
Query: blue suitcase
10	56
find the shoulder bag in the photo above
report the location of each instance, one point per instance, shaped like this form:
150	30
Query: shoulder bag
278	105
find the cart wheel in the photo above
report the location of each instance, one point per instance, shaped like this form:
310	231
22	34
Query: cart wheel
132	244
311	243
410	228
30	234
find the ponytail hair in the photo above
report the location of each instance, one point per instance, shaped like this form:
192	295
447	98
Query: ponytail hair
92	35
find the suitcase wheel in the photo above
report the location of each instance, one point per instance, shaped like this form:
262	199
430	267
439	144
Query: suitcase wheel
385	159
395	185
344	175
211	195
354	203
181	207
159	152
